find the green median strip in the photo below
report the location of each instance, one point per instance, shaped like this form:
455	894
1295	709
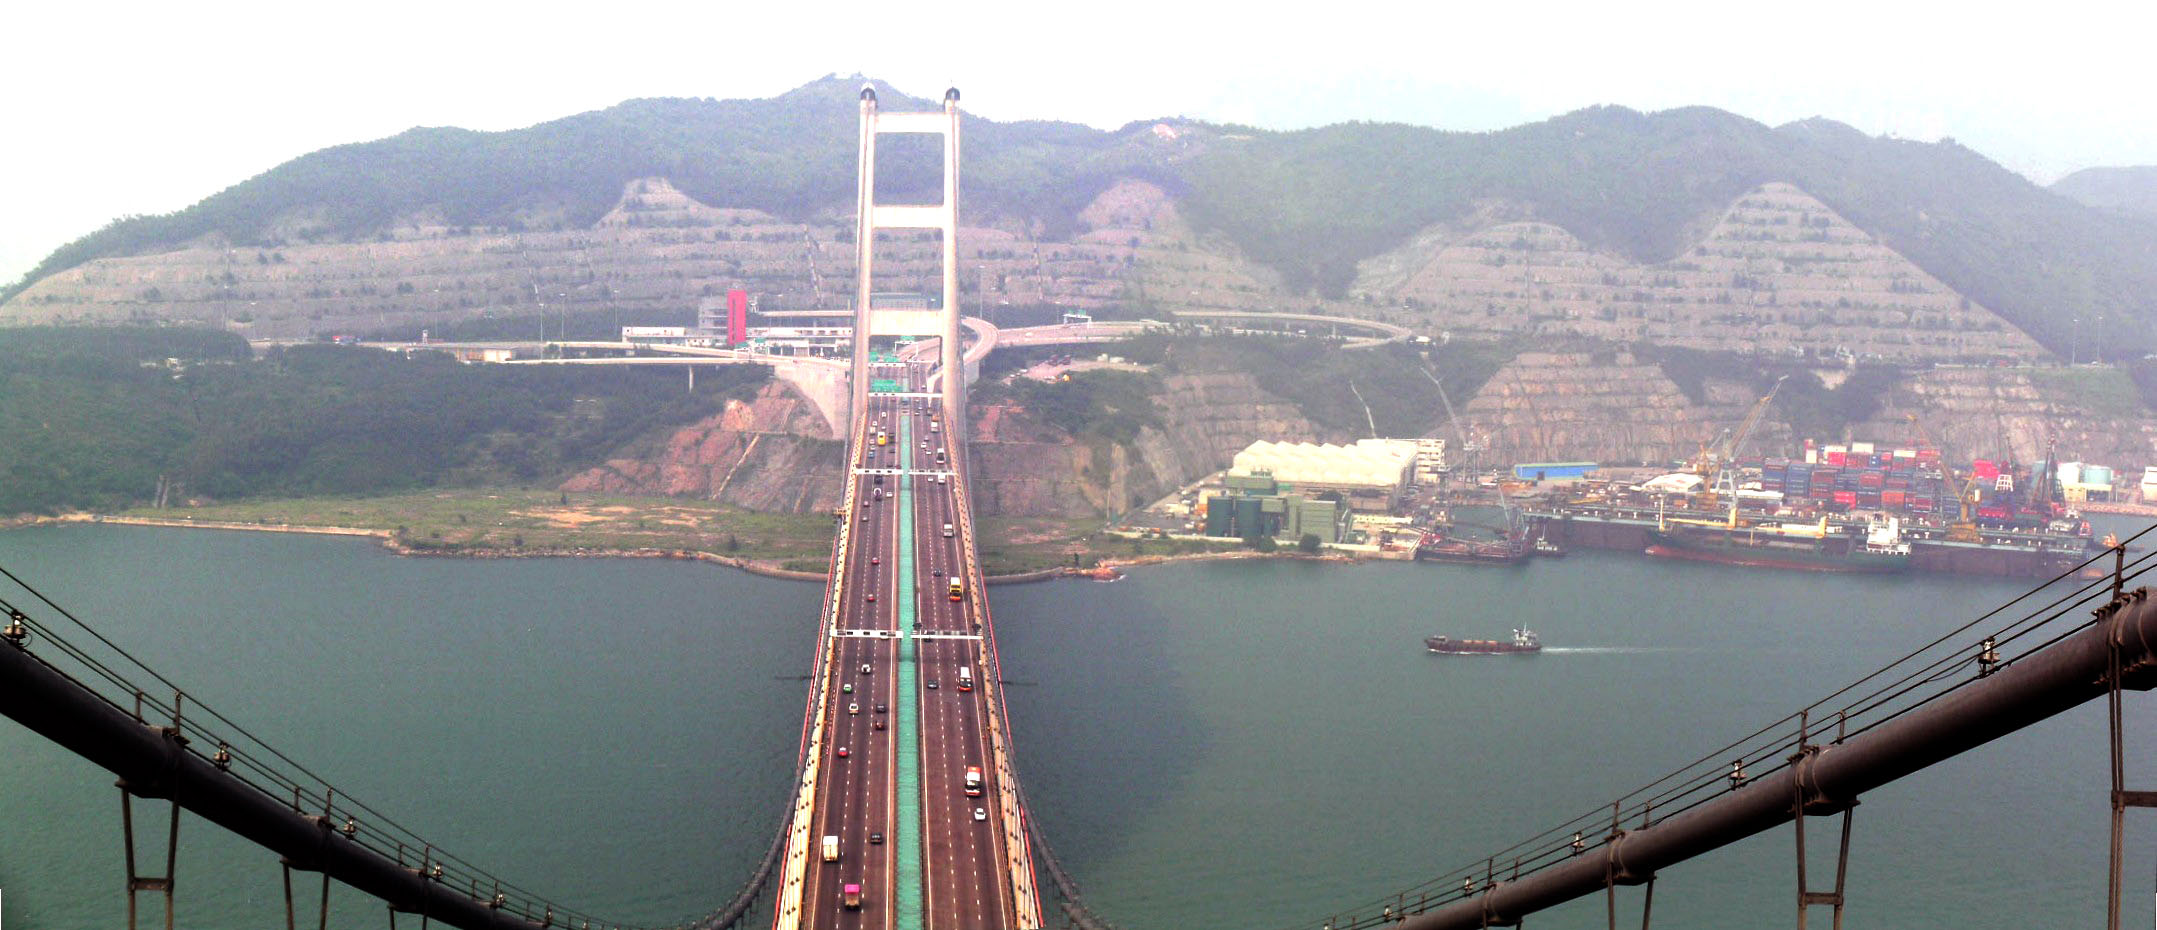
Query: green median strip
906	885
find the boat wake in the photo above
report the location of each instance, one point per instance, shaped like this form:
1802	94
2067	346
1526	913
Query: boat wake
1611	650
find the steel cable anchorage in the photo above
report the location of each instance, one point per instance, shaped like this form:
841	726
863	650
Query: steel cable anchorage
2013	632
58	658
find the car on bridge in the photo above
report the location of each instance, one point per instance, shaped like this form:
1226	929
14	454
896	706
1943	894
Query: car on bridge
872	597
879	723
847	688
843	753
876	560
853	708
979	814
851	896
866	668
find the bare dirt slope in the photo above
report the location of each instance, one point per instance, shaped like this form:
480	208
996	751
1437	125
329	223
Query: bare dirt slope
757	455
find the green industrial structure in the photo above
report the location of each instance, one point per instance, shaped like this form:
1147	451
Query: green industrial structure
1256	505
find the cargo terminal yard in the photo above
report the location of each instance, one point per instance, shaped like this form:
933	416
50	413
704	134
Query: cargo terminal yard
1840	507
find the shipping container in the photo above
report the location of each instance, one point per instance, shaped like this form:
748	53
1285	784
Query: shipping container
1846	498
1835	458
1861	448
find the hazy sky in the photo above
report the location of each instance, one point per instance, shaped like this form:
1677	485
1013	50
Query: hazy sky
122	108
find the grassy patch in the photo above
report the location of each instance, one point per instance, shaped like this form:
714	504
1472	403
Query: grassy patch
524	519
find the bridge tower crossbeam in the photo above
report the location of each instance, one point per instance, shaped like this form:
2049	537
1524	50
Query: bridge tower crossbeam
943	322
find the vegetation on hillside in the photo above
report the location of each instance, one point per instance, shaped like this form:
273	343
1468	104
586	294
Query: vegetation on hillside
1110	405
1310	203
1806	403
2131	190
102	418
1389	389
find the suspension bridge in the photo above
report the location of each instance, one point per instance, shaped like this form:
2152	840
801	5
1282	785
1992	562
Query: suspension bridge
907	809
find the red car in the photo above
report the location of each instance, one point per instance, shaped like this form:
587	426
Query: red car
843	753
876	560
872	597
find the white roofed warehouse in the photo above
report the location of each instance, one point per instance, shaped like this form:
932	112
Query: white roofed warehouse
1369	474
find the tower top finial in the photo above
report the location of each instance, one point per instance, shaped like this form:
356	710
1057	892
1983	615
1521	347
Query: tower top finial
868	91
951	95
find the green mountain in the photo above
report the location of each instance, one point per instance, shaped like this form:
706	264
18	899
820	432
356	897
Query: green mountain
2131	191
1309	203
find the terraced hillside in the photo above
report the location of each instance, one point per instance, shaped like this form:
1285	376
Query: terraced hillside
649	260
1577	406
1778	270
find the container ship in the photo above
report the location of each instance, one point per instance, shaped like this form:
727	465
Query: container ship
1525	642
1814	547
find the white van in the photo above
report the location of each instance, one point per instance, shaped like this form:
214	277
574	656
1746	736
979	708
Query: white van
947	531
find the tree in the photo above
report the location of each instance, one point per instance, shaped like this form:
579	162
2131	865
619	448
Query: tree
1261	543
1309	544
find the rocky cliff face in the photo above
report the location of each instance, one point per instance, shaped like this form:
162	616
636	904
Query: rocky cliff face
757	454
760	455
1022	467
2090	414
1579	407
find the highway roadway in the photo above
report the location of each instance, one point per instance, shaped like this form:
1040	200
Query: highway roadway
962	863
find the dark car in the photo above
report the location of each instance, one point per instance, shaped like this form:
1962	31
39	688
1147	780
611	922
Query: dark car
932	684
876	839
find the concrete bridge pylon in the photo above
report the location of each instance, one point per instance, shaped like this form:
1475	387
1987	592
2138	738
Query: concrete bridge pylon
942	322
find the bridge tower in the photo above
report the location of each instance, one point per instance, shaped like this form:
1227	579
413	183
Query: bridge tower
871	216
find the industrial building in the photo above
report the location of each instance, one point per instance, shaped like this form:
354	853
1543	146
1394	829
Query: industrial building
2082	483
1250	506
1430	461
1553	471
1370	474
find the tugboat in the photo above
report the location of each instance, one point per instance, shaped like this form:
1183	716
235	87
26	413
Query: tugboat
1524	642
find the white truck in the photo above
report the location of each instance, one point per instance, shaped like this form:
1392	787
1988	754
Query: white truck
831	848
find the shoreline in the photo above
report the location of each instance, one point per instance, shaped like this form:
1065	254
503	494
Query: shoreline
1107	569
390	542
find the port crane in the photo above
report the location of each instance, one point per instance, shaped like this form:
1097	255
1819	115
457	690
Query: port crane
1963	529
1513	530
1720	464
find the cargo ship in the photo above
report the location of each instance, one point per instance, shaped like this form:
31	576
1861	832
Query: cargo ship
1994	518
1810	547
1438	547
1524	642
